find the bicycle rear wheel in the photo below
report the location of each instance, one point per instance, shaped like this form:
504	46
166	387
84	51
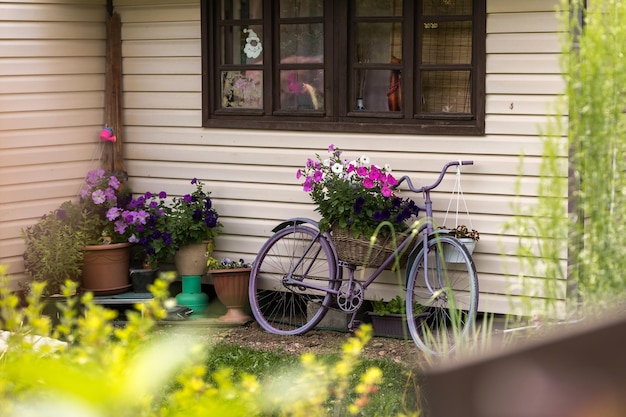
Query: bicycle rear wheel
290	280
443	284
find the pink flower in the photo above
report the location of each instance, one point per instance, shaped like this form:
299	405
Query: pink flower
308	185
362	172
368	183
386	191
318	175
331	148
391	181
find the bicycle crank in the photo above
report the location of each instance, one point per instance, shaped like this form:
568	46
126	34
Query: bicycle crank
350	296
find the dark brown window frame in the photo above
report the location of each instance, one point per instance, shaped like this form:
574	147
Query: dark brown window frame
336	117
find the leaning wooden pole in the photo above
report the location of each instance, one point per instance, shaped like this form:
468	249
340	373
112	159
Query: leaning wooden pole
114	155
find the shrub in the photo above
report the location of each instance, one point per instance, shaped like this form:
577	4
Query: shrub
86	366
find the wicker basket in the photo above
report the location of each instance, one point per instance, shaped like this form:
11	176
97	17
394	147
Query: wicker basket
355	250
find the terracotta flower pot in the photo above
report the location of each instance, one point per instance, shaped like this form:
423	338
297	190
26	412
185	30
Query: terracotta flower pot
106	269
191	259
231	287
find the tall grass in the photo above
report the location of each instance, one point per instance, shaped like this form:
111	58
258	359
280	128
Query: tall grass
579	244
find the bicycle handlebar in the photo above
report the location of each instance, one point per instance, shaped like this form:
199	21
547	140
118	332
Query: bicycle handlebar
436	183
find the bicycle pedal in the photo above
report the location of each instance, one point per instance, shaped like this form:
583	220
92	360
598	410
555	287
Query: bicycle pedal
355	324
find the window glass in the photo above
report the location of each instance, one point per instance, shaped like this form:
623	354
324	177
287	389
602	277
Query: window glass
446	92
242	89
242	45
447	43
302	90
447	7
302	43
377	90
378	42
241	9
301	8
379	8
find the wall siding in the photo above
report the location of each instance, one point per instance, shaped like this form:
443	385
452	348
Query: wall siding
51	110
251	174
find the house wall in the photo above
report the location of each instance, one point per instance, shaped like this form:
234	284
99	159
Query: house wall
51	110
251	173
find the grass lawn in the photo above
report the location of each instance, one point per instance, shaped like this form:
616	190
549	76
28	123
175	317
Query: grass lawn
398	392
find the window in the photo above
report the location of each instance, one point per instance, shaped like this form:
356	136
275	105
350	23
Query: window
391	66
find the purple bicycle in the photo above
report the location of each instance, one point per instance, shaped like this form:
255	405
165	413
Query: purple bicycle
297	277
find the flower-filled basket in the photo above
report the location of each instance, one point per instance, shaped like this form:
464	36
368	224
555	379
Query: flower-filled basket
360	250
354	198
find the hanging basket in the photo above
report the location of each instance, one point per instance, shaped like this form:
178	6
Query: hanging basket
355	250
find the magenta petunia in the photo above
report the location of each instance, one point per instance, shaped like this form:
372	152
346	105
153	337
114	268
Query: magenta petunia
368	183
308	185
298	174
318	175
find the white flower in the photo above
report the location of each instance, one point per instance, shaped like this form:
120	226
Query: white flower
388	168
365	160
337	168
326	162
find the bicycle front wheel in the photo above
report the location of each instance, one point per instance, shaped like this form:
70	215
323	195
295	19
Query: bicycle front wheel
290	280
442	292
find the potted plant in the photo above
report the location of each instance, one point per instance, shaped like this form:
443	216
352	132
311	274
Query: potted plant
84	229
194	226
231	279
354	197
151	220
389	317
467	236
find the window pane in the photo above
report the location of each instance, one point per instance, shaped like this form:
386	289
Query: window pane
378	42
447	7
242	45
378	8
446	92
241	9
242	89
301	8
303	43
302	90
377	90
447	43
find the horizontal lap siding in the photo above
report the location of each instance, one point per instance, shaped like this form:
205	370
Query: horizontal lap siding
252	173
51	101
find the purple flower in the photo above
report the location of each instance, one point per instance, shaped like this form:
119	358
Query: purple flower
162	195
114	182
61	214
120	227
98	197
194	181
113	213
148	195
187	198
